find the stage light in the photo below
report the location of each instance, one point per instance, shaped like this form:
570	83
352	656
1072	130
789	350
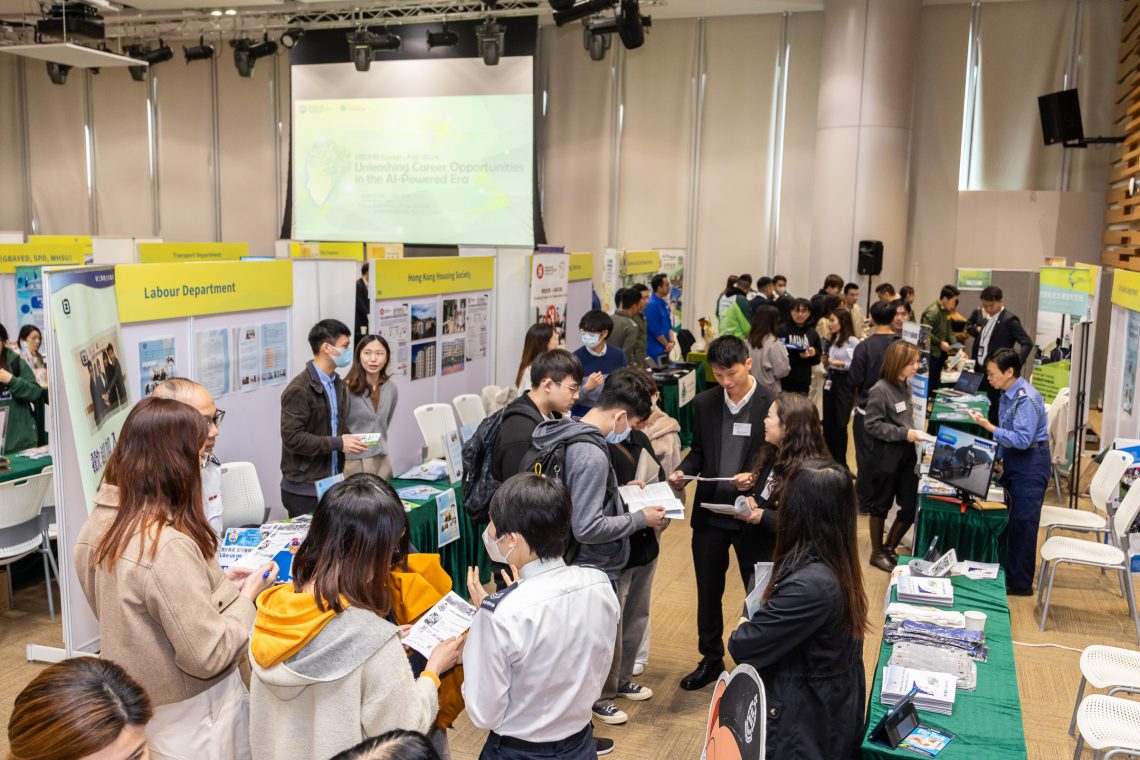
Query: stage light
490	36
561	5
200	52
57	72
138	73
290	37
160	54
360	49
581	10
442	39
630	25
246	53
596	43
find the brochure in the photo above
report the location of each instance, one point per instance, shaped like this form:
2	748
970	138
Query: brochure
453	450
275	542
450	617
447	518
418	493
926	741
637	498
431	471
739	507
760	574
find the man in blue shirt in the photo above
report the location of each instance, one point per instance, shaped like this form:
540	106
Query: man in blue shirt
598	359
659	318
1022	435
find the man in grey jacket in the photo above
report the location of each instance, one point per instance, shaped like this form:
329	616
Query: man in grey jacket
600	523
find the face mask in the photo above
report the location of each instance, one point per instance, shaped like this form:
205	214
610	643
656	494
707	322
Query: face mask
589	340
492	547
343	357
781	291
615	436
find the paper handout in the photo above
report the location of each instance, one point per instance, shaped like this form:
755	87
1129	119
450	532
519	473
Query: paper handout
653	495
450	617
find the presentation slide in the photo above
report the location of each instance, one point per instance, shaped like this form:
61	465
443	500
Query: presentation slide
418	151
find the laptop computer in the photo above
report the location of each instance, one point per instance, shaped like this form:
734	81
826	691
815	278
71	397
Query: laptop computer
967	385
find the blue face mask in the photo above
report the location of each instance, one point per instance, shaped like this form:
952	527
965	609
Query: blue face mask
342	359
615	436
589	340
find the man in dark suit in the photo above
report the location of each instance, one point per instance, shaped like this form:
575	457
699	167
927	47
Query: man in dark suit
1002	329
728	431
360	323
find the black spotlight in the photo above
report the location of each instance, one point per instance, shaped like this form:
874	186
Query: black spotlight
445	38
57	72
630	25
200	52
385	41
138	73
360	49
561	5
291	37
596	42
246	53
581	10
160	54
489	37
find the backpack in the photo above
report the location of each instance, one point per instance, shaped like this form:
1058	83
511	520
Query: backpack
479	481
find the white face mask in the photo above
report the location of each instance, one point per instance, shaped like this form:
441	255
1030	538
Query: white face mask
492	546
589	340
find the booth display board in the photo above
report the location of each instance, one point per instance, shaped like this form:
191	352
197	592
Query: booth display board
384	250
917	335
975	279
549	282
1121	407
326	250
40	254
611	275
85	241
322	289
436	315
636	263
579	296
1066	296
149	292
168	253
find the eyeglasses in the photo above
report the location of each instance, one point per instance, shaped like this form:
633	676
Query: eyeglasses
216	420
572	388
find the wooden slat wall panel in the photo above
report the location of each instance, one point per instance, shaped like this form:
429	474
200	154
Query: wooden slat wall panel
1122	217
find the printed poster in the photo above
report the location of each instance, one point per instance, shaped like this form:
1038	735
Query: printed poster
454	316
249	357
30	296
274	353
1130	348
452	353
157	363
213	365
423	360
393	322
85	320
424	318
1065	298
478	308
447	515
549	287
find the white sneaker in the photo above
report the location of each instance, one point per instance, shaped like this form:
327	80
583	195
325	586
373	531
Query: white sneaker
638	668
608	712
635	692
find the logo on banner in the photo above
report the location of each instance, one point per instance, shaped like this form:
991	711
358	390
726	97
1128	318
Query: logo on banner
539	271
67	307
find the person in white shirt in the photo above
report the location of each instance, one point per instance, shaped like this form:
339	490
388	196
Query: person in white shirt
195	395
838	393
538	652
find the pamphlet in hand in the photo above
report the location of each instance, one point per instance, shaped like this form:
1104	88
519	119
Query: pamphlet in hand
738	508
278	543
431	470
761	572
637	498
450	617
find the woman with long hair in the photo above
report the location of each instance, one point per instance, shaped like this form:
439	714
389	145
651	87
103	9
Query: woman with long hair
792	435
19	391
838	395
371	404
167	613
889	436
328	667
806	638
540	338
80	708
28	344
769	357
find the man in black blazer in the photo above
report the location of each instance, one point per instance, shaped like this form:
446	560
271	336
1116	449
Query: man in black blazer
1002	329
728	432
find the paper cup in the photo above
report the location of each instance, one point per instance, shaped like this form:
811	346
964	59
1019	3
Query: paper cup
975	621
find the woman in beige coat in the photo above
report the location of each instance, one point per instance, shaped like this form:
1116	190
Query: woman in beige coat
167	613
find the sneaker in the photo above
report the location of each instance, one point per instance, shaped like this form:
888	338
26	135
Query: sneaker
603	746
608	712
638	668
636	692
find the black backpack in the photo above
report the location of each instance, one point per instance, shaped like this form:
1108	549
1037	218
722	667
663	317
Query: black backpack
479	481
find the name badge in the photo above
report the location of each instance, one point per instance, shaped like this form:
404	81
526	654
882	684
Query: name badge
742	428
900	407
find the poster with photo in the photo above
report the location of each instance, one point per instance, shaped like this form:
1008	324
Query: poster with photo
101	373
274	353
423	360
478	308
452	354
1131	346
157	363
549	288
30	296
393	322
213	365
447	515
454	316
249	357
424	318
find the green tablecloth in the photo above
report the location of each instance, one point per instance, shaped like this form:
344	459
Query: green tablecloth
975	534
23	467
670	404
944	413
987	721
457	556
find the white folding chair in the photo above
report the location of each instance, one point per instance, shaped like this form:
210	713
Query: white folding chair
470	409
434	420
1109	725
1109	556
1103	491
21	528
243	503
1104	667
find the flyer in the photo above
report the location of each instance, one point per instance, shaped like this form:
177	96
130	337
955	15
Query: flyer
30	296
393	321
274	353
549	287
451	355
477	310
213	367
157	363
447	513
450	617
249	357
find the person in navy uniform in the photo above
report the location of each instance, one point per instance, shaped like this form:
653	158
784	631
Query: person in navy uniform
1022	436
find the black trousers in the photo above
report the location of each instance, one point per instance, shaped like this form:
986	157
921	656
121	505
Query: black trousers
863	464
710	560
900	484
936	365
838	400
296	505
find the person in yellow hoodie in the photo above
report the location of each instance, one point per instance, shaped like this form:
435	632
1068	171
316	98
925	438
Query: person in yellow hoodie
328	667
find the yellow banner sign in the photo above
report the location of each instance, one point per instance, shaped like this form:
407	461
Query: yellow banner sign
642	262
38	254
1126	289
384	250
327	250
406	278
169	253
82	240
148	292
581	266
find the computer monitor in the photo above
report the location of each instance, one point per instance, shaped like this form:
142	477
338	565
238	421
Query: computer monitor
963	461
969	382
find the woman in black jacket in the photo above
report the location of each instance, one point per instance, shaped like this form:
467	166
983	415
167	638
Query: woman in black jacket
806	639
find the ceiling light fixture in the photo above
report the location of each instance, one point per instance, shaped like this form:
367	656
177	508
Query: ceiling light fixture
200	52
581	10
290	37
489	36
596	42
231	12
443	38
57	72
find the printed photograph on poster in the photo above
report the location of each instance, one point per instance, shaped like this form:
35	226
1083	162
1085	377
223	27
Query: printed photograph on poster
424	317
454	315
249	357
477	310
1131	346
549	288
423	360
213	365
102	372
30	296
452	353
157	363
393	321
274	353
447	513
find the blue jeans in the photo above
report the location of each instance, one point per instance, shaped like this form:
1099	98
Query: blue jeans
580	746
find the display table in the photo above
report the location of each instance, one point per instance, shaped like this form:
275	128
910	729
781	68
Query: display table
987	721
23	467
974	534
701	358
670	403
950	412
457	556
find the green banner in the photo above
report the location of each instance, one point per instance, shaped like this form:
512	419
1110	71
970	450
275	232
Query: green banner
974	279
1050	378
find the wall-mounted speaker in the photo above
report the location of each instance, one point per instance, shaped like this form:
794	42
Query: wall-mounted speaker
1061	117
870	257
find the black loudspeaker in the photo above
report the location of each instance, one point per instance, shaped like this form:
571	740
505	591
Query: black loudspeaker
1061	117
870	257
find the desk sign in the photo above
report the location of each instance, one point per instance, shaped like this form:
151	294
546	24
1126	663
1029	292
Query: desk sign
686	388
147	292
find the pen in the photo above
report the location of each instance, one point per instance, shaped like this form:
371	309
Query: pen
265	575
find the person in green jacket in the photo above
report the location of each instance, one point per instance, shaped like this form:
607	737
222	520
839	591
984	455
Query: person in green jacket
937	319
18	392
734	314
